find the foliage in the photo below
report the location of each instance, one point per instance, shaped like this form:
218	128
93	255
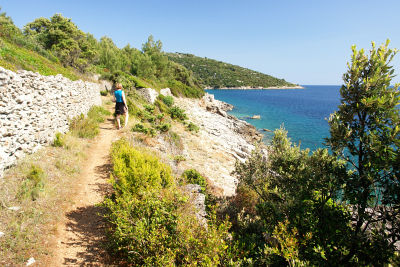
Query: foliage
177	113
104	92
83	127
33	184
59	140
7	26
288	247
88	127
151	224
178	88
192	127
97	113
167	100
179	158
192	176
58	39
301	188
365	132
142	129
217	74
127	80
322	209
163	127
63	38
14	57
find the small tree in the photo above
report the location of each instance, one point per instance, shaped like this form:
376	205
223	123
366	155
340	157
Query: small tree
365	132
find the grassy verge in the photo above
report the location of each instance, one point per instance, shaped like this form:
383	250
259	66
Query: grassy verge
34	193
13	57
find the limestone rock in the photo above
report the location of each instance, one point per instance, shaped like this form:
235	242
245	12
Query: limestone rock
34	107
166	92
149	94
198	201
221	141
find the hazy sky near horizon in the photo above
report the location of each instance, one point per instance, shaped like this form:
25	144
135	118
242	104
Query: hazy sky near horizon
305	42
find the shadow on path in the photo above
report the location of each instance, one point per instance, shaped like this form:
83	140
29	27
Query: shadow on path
87	225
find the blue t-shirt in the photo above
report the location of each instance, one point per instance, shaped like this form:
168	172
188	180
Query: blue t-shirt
118	96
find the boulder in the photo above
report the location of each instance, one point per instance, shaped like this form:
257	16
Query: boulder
149	94
166	92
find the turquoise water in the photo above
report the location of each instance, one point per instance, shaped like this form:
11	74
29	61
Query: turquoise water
303	112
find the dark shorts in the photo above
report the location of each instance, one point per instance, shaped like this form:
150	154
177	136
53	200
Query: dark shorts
119	108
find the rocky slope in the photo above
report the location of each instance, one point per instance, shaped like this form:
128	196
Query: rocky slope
221	141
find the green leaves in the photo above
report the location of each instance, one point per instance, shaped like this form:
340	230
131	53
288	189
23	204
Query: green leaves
364	133
64	39
151	223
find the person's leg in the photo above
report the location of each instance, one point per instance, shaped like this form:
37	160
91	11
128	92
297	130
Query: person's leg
118	121
126	118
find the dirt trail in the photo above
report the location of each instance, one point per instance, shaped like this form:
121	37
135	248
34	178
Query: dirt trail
81	233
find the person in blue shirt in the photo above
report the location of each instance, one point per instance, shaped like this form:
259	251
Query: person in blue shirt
121	108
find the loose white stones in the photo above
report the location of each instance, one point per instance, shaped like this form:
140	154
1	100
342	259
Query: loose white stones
34	107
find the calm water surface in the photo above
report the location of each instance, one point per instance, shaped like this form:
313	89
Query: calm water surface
303	112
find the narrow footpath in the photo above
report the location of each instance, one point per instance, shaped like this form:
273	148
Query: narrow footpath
80	234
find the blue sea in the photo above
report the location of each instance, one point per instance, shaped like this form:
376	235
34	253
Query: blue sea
303	112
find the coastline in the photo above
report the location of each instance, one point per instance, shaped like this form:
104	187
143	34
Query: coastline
222	140
256	88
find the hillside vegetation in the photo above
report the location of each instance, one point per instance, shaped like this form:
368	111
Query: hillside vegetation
56	45
217	74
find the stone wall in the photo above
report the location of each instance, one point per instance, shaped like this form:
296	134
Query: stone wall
34	107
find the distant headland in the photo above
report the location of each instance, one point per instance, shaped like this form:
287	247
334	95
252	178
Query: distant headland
255	88
213	74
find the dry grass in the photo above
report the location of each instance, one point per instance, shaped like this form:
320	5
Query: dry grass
27	230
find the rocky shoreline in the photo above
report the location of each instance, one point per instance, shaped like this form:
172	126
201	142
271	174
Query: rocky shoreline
222	140
256	88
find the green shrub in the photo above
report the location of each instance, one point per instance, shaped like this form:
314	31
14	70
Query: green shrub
138	127
167	100
162	107
177	113
138	83
160	117
59	140
180	89
132	108
150	223
192	176
138	171
193	127
179	158
149	108
33	184
163	127
104	92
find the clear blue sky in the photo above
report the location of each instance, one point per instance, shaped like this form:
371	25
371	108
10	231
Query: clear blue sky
306	42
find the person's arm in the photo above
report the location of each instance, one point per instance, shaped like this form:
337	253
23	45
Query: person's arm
124	99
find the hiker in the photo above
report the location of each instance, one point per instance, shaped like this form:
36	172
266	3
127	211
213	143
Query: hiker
121	108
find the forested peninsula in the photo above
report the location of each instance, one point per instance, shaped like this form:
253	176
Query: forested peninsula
214	74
